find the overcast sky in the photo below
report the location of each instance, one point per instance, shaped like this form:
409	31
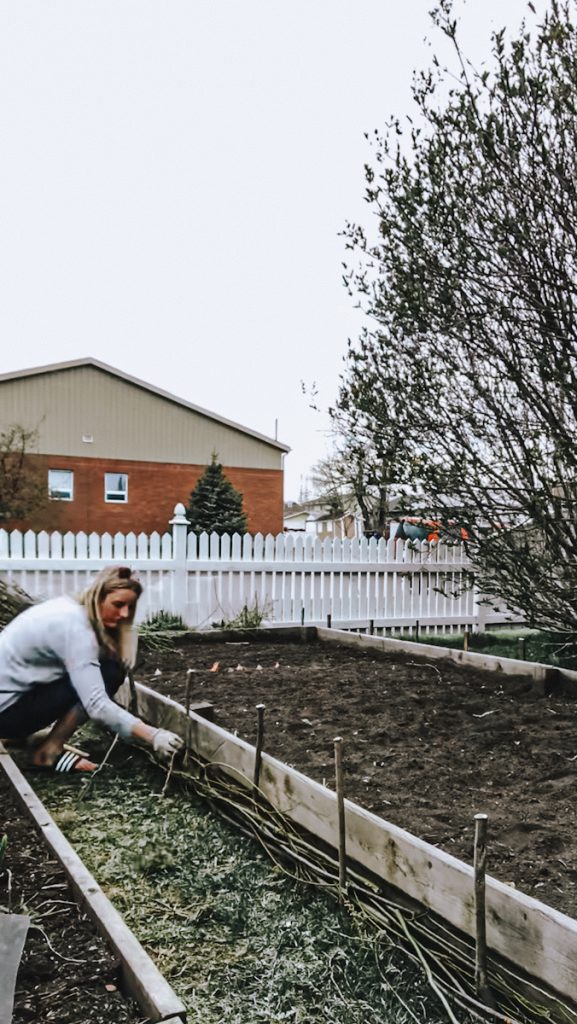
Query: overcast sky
174	178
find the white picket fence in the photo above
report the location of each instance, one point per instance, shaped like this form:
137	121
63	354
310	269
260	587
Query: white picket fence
353	584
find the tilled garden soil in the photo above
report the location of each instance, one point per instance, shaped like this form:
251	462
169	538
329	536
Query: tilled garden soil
67	975
426	745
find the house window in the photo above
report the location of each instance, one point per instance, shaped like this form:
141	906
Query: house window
116	487
61	484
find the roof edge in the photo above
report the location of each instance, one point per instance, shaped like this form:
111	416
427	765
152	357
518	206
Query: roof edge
73	364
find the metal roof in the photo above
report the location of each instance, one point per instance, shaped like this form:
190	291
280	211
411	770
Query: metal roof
105	368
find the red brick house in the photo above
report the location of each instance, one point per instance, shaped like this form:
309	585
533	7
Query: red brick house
119	453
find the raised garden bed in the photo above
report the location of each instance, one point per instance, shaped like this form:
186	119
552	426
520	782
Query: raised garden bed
67	974
426	744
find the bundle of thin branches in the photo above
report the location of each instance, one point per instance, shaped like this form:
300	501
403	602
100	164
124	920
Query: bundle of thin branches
13	600
152	639
447	963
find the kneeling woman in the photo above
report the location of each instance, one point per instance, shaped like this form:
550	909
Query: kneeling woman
62	662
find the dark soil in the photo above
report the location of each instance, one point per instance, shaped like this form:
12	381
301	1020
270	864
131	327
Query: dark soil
65	967
426	745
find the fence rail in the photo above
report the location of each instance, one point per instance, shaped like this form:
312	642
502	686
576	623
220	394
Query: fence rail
356	584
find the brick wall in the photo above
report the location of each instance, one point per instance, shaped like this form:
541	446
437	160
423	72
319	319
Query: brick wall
153	490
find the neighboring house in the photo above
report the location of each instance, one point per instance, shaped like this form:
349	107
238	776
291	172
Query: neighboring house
119	453
295	518
326	524
312	517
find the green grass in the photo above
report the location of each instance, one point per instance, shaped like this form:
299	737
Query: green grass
238	938
527	644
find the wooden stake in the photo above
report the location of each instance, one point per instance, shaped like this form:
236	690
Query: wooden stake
329	621
417	630
522	647
466	638
188	742
303	615
259	743
341	812
479	868
133	705
371	627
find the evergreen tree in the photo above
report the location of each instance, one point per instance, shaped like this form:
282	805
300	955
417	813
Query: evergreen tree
215	506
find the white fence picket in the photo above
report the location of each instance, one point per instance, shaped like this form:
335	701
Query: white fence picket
43	545
258	548
203	552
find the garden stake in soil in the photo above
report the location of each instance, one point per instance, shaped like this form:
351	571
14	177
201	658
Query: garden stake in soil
341	813
259	744
479	868
188	742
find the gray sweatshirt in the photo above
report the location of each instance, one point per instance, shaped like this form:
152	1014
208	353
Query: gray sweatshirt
47	641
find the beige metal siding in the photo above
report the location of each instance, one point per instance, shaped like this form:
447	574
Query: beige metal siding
124	422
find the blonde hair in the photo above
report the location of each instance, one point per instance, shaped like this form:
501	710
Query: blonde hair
123	640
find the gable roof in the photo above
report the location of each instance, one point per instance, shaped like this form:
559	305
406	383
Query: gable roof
299	514
119	374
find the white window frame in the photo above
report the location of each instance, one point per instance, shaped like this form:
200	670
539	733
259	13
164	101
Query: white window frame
61	493
114	495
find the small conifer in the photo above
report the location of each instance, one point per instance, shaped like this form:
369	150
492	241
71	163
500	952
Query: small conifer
215	506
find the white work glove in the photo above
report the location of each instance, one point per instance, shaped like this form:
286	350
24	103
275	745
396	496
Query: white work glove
165	744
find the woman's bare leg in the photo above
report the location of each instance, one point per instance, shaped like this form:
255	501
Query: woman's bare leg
51	748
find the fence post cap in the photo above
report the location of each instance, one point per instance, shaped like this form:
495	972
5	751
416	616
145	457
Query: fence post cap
179	518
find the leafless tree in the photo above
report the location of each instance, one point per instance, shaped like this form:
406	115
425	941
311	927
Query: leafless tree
469	277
